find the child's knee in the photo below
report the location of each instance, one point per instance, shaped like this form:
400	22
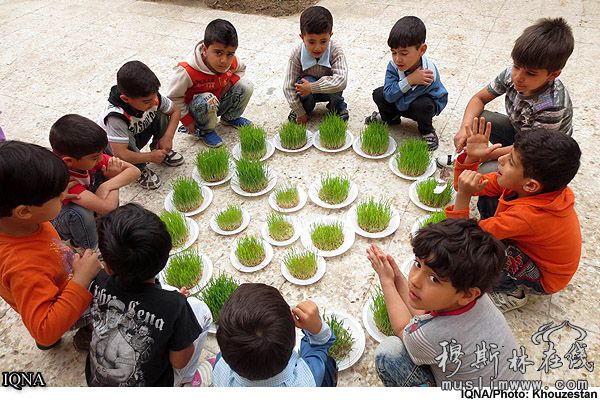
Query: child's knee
202	312
245	86
204	103
390	349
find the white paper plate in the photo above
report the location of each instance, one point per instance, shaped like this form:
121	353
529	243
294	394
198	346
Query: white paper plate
347	143
412	194
356	146
369	322
264	230
428	172
237	151
417	225
315	187
235	185
349	237
245	221
198	178
213	328
240	267
193	232
352	219
358	334
207	270
309	143
321	268
406	266
207	196
302	198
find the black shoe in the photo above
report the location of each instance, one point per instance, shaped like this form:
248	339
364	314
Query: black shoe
376	117
432	140
41	347
292	116
343	114
82	338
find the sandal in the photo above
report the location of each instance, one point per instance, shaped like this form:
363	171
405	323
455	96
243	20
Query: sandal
432	140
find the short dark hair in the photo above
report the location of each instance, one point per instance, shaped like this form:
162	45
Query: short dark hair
256	331
30	175
134	243
76	136
220	31
316	20
550	157
459	250
135	79
407	31
547	44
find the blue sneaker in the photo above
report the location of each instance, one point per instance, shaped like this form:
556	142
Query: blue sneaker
211	139
183	130
238	122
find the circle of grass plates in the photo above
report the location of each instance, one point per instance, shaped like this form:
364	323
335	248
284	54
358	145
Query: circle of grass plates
271	175
357	147
321	269
394	168
279	146
242	268
347	143
412	194
315	188
348	238
237	151
215	227
264	231
207	197
198	178
394	224
193	232
357	332
302	199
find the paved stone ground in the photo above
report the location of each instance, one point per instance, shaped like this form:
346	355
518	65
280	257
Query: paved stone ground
61	57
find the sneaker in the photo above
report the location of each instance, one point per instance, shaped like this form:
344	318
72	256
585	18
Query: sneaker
292	116
446	161
82	339
149	179
41	347
376	117
182	129
237	123
173	159
211	139
432	140
509	301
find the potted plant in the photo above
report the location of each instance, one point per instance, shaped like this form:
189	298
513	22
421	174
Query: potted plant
216	292
213	164
373	216
375	139
343	338
287	197
293	136
253	142
413	157
380	313
327	237
184	269
250	251
280	229
187	194
425	192
176	226
434	218
301	265
230	219
253	175
332	132
334	189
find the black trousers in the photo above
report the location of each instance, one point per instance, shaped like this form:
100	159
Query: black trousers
421	110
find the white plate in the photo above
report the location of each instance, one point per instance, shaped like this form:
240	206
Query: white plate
193	232
315	187
198	178
302	198
428	172
309	143
354	327
369	322
207	270
240	267
213	328
237	151
412	194
321	268
207	196
417	225
215	227
349	237
356	146
347	143
264	230
406	266
235	185
352	218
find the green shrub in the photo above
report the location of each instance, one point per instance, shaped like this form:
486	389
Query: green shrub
374	216
332	132
327	237
280	228
413	157
293	136
301	264
380	314
250	251
187	194
343	338
375	139
253	142
217	292
252	175
230	219
185	269
176	226
287	197
213	164
426	196
334	189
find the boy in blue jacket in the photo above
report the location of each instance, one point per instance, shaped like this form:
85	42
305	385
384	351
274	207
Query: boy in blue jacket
412	87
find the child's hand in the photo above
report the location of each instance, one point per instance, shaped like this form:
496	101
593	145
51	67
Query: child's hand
420	77
184	291
306	316
478	137
70	196
165	143
157	156
85	267
115	167
380	263
471	182
302	119
303	88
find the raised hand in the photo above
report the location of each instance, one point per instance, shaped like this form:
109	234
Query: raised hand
471	182
380	263
478	136
306	316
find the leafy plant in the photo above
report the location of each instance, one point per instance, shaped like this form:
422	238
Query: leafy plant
301	264
375	139
413	157
280	228
213	164
334	189
374	216
434	218
250	251
293	136
176	226
287	197
187	194
425	192
217	292
230	218
253	142
343	338
327	237
332	132
185	269
252	175
380	313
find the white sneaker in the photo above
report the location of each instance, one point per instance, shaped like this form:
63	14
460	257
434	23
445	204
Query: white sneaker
509	301
149	179
446	160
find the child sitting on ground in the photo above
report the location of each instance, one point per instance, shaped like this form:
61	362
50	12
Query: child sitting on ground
535	212
143	334
40	278
317	69
412	87
80	143
257	334
443	305
210	84
136	113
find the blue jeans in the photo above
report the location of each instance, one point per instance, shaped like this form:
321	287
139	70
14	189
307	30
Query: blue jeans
77	224
206	107
396	369
335	100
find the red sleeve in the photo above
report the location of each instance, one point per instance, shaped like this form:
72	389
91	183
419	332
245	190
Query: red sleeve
187	119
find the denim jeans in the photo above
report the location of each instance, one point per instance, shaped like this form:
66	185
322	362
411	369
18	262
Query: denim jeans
335	101
77	224
502	129
396	369
206	107
519	269
421	110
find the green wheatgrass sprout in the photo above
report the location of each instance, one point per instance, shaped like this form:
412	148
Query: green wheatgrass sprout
187	194
380	314
327	237
230	218
374	216
301	264
334	189
434	218
280	228
413	157
176	226
287	197
213	164
250	251
185	269
253	142
292	136
375	139
252	175
332	132
216	293
343	338
425	192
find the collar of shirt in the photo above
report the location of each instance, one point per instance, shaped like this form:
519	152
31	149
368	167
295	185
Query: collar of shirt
288	374
425	64
308	60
